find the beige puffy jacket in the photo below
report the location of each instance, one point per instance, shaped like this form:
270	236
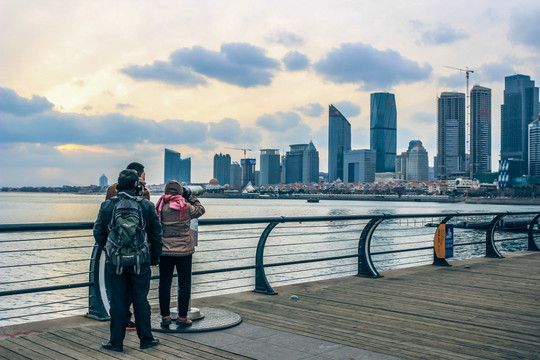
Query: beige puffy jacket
177	240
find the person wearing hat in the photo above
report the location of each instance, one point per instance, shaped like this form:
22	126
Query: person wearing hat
176	208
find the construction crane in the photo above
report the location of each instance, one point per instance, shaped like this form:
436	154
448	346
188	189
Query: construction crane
467	71
243	149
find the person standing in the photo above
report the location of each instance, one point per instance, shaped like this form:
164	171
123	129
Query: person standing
139	168
129	283
112	192
176	208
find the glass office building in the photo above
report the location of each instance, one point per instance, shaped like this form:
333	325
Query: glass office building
451	135
310	167
270	167
222	168
480	130
176	168
519	109
383	130
339	142
534	148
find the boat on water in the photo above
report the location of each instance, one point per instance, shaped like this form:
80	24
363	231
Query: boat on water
313	200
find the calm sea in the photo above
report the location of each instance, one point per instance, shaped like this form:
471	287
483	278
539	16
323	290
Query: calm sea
219	246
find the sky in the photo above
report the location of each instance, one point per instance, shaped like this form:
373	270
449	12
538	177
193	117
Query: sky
86	87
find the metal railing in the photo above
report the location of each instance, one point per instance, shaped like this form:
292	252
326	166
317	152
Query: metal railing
260	252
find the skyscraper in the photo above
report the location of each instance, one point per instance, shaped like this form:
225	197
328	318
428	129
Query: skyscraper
248	171
236	175
339	142
450	134
519	109
222	168
310	167
176	168
270	167
383	125
103	181
480	130
417	162
534	148
295	164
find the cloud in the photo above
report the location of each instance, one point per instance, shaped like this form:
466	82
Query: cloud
279	122
525	27
12	103
442	35
230	131
285	38
372	69
238	64
121	106
295	61
424	117
348	109
63	128
494	72
455	81
165	72
311	110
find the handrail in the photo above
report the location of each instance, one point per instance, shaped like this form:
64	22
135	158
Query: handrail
98	298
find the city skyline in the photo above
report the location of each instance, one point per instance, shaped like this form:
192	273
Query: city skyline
73	106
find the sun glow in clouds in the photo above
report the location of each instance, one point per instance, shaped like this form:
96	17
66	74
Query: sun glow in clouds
66	148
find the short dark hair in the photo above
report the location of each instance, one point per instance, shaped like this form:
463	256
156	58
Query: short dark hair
138	167
127	179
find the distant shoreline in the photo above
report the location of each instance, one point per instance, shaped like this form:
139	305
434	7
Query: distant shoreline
322	197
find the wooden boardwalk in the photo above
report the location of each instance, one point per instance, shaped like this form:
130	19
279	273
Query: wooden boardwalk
477	309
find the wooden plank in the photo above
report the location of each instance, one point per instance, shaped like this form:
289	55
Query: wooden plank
7	352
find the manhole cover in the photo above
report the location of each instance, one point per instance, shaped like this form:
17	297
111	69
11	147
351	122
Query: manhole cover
213	319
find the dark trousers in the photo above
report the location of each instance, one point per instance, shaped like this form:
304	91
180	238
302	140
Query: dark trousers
125	289
166	270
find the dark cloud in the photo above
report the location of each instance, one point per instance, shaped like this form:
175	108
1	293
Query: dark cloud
285	38
348	109
239	64
312	110
230	131
295	61
12	103
60	128
372	69
279	122
525	28
442	35
165	72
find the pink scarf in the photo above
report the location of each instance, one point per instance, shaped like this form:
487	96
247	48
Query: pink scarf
176	202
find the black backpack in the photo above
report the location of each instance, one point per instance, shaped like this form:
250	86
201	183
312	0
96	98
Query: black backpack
127	243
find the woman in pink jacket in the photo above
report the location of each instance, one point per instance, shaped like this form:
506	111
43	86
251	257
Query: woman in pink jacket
176	209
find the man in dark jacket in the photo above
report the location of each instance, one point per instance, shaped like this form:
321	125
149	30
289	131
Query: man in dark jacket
129	285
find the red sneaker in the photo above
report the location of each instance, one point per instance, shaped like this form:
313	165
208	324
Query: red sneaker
131	325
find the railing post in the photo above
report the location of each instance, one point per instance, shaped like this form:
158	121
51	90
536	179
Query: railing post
261	283
365	264
98	302
437	261
491	249
532	245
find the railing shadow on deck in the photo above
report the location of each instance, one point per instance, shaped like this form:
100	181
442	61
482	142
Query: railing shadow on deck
259	251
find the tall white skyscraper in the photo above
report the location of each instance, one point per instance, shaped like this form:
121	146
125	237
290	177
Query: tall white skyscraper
417	163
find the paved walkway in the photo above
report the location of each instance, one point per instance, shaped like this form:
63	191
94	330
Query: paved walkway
477	309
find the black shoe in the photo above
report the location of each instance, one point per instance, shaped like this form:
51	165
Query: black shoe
109	346
152	343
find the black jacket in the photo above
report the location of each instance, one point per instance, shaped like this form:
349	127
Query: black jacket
153	225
